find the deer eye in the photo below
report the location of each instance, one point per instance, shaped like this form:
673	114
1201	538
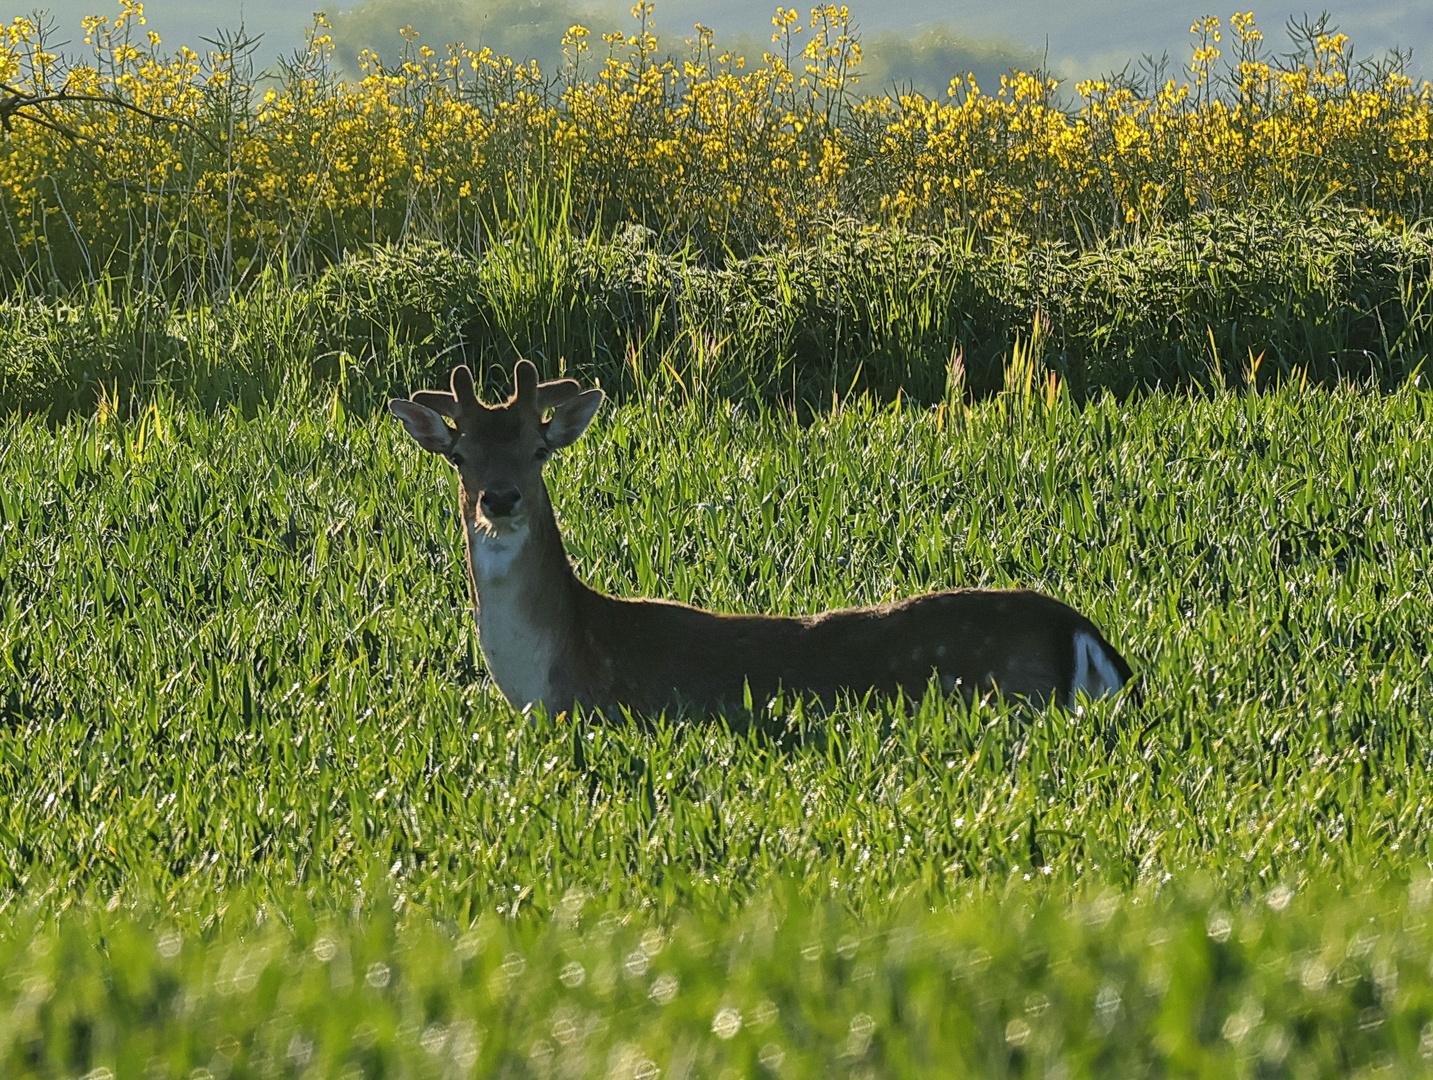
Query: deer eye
543	453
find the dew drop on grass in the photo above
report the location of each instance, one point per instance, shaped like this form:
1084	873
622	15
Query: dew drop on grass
1276	1046
378	975
169	944
772	1057
861	1029
564	1027
1314	975
636	964
463	1044
1236	1026
1107	1005
299	1051
1279	897
726	1023
434	1038
664	989
469	945
765	1012
653	941
572	975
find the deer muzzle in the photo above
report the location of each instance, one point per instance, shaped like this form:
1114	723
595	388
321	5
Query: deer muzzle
500	501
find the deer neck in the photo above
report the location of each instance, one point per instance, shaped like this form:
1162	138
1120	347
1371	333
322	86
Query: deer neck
522	600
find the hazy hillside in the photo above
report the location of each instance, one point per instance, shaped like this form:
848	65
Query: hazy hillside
917	41
1086	37
524	29
925	59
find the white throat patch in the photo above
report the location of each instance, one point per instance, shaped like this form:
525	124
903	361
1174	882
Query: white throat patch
518	651
494	553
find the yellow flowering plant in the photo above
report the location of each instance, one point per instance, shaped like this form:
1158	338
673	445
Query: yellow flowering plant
208	174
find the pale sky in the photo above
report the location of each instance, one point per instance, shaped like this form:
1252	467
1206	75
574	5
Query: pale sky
1083	37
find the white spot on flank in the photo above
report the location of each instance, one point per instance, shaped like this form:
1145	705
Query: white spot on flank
1095	674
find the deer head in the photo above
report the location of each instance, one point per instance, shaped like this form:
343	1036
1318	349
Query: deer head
499	450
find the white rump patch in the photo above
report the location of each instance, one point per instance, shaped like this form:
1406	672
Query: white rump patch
1095	674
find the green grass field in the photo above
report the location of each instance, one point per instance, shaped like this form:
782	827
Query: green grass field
263	815
260	815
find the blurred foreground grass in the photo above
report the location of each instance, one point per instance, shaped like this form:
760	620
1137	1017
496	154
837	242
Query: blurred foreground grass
1097	984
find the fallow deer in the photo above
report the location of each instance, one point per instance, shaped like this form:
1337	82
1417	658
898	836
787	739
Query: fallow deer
549	638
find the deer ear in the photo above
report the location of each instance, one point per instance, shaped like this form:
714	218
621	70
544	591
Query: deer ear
427	428
570	419
552	394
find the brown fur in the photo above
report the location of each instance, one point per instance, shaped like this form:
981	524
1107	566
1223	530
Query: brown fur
548	636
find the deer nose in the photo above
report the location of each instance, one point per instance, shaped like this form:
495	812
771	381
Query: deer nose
500	501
